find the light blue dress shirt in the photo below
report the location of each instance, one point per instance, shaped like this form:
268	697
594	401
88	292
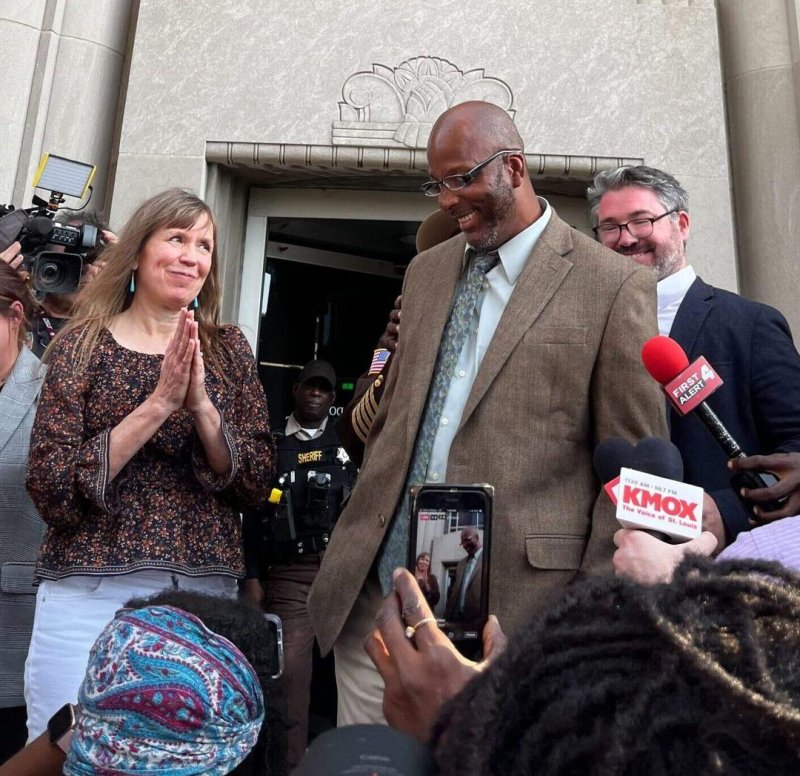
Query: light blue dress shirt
492	300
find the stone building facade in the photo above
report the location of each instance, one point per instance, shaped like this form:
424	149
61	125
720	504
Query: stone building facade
322	110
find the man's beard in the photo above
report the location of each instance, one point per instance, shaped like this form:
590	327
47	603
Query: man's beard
503	207
666	258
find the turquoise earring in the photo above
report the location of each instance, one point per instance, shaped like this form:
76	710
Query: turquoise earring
195	304
132	285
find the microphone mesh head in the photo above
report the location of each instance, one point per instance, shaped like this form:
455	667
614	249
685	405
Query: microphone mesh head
663	358
41	225
654	455
610	456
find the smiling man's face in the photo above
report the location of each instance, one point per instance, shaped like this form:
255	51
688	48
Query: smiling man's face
664	249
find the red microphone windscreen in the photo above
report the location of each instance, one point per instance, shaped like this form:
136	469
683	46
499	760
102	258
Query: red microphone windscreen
663	358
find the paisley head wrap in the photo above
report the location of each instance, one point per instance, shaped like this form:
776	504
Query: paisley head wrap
164	695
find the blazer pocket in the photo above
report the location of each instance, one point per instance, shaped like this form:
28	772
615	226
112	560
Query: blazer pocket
18	578
555	552
558	335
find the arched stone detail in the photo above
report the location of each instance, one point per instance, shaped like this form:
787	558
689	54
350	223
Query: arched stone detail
396	107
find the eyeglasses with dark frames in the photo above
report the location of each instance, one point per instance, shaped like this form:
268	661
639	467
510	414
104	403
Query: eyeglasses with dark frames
456	182
636	227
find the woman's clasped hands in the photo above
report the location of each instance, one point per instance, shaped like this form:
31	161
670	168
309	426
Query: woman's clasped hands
182	382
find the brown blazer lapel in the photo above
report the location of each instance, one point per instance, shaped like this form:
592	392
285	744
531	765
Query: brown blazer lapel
543	273
421	344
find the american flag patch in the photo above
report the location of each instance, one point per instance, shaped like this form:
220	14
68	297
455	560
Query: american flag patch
379	358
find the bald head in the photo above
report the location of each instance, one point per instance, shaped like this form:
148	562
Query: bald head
478	122
470	540
497	200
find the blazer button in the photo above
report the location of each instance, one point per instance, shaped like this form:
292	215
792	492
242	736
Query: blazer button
382	520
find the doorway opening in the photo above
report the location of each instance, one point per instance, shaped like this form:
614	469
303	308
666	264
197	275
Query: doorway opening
329	285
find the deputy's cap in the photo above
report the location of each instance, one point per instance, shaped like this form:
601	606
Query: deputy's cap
377	750
435	229
317	368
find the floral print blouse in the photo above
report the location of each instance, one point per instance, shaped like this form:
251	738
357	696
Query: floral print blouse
167	509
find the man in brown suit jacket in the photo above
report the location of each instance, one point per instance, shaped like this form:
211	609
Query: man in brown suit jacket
470	566
561	372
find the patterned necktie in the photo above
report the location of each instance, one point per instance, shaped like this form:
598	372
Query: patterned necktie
394	551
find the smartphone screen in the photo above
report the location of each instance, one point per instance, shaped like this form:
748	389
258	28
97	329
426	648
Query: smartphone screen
449	556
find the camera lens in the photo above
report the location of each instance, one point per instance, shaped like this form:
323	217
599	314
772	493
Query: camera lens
49	273
56	273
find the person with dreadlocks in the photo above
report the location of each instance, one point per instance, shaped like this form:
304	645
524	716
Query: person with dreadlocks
699	676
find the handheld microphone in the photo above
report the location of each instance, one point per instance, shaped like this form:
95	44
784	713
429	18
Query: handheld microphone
644	482
608	458
687	386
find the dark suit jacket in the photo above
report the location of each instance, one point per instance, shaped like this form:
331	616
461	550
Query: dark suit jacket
562	373
472	600
750	346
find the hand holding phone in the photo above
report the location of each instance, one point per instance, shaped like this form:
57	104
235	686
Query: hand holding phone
422	673
449	550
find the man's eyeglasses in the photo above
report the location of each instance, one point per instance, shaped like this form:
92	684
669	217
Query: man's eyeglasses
637	228
456	182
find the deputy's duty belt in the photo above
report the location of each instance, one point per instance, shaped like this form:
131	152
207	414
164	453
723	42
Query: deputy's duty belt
301	546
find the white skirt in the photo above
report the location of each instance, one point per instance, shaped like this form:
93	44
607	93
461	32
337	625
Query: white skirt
71	613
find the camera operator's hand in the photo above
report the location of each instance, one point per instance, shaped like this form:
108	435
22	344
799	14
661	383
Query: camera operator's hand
12	255
109	237
422	673
92	271
785	466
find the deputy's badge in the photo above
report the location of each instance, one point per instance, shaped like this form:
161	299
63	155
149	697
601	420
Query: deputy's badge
342	456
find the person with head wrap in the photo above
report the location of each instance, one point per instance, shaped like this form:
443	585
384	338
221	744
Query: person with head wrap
164	694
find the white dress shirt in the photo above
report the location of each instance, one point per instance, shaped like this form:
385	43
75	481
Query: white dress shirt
304	434
671	291
492	299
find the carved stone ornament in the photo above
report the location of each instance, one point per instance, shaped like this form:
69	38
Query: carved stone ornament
396	107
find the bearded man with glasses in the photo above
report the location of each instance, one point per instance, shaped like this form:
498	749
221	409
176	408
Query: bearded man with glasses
643	213
519	352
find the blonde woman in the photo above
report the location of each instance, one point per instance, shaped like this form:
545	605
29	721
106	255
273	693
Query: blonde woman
152	433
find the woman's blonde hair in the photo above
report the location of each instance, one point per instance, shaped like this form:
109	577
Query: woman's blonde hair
108	294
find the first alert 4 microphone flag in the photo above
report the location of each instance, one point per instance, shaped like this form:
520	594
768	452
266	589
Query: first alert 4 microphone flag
694	384
655	503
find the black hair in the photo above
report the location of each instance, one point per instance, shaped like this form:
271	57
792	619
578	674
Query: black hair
701	676
245	626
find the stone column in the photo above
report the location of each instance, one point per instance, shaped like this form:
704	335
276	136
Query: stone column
761	65
20	25
62	63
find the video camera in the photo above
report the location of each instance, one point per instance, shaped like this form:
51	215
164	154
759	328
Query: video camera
52	271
